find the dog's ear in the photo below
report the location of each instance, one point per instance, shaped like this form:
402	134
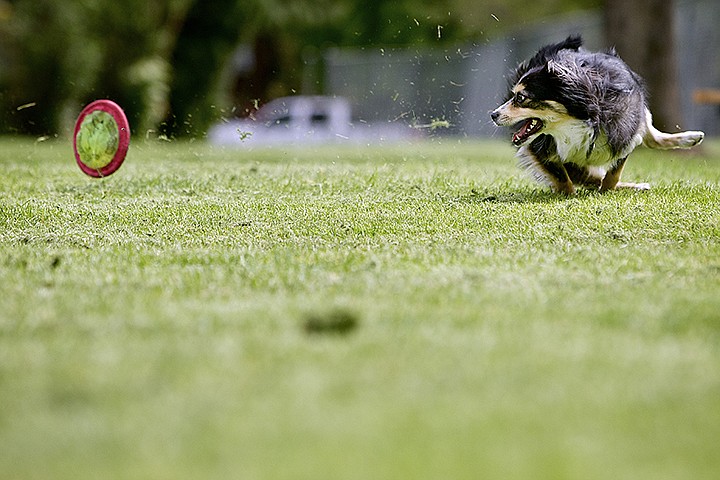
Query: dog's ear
575	86
573	42
542	59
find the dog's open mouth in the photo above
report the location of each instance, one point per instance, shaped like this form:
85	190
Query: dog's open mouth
527	128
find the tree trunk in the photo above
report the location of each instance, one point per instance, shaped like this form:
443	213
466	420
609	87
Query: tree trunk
206	39
643	32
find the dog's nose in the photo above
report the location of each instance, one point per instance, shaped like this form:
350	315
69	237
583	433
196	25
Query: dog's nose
494	115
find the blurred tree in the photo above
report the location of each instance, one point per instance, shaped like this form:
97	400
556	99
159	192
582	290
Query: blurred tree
282	39
61	55
275	38
167	60
39	37
135	67
490	18
209	32
643	34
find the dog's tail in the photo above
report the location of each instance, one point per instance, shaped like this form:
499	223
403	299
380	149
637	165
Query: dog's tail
654	138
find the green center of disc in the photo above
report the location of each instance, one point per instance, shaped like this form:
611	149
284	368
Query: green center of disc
97	140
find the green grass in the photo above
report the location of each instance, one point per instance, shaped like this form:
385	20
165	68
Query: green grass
421	312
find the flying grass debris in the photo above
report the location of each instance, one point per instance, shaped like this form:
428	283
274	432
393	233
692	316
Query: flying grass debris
243	134
435	124
27	105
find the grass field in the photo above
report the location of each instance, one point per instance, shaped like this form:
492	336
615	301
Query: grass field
419	312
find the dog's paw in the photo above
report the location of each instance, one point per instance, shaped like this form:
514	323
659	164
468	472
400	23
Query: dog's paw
633	186
690	139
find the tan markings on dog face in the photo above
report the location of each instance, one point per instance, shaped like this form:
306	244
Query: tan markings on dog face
518	88
549	112
557	107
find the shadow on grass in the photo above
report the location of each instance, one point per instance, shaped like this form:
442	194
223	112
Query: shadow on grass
336	322
507	195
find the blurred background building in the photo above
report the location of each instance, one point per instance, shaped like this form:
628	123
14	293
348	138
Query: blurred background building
180	66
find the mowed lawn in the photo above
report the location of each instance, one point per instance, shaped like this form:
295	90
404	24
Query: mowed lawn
410	312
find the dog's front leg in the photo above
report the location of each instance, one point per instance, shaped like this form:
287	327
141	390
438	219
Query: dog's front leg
541	159
559	177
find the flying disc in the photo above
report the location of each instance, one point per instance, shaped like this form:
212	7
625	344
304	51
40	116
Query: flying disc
101	139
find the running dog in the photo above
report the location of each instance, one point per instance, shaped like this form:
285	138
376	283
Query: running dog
578	115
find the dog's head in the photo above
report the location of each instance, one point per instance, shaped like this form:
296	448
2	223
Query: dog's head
544	93
540	102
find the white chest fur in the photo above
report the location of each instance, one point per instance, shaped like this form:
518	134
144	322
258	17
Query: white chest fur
576	143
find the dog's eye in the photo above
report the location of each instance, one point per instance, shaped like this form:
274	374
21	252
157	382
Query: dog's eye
520	98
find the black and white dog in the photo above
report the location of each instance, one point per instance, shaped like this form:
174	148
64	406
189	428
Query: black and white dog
578	115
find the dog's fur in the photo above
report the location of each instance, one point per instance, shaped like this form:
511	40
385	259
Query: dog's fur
578	116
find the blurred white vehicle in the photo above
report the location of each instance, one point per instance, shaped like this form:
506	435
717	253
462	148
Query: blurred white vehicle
306	120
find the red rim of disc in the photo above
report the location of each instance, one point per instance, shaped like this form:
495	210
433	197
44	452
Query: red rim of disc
118	115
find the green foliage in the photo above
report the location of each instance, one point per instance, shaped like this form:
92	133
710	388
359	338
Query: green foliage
164	60
40	38
414	312
61	55
483	20
209	33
